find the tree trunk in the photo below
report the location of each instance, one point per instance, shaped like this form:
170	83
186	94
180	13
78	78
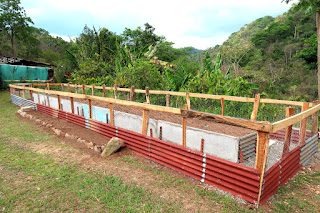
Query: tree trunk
318	54
12	45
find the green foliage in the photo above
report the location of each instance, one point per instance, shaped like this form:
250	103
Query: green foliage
13	21
141	74
211	80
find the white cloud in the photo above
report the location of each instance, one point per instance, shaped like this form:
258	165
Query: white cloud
186	23
66	38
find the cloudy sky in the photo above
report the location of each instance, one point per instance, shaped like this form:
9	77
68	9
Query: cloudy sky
201	23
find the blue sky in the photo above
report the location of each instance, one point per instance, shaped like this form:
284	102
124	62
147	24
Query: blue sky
201	24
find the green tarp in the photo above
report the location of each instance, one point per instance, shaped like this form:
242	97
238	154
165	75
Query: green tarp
22	73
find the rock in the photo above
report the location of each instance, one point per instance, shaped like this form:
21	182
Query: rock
103	147
19	111
57	131
90	145
67	135
48	125
38	120
73	137
44	123
97	148
23	114
33	118
79	140
113	145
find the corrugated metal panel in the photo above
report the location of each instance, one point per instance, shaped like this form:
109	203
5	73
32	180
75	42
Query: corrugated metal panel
247	145
21	101
309	149
280	135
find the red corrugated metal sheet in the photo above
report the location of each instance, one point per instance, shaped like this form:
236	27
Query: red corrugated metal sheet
280	135
237	179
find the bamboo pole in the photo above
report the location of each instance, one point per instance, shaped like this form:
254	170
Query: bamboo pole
303	126
83	89
92	89
68	87
24	94
62	88
76	88
287	138
48	86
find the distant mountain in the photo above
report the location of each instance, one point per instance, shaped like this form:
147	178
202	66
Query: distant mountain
193	51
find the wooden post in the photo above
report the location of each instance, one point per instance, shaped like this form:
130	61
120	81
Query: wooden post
314	128
83	89
303	126
167	100
14	91
31	97
93	90
104	90
48	99
287	138
59	101
76	88
255	107
184	128
188	101
147	95
261	157
39	98
261	150
24	94
62	88
48	86
90	108
115	91
132	93
222	106
68	87
19	92
145	121
111	114
72	105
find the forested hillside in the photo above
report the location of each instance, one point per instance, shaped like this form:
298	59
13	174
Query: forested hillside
273	56
279	54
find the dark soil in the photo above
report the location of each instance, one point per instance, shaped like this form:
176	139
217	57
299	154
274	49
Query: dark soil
191	122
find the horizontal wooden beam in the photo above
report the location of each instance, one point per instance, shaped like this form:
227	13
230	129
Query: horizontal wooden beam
255	125
294	119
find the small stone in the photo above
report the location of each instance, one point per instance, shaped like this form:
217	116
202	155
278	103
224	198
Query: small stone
113	145
48	125
73	137
67	135
103	147
44	123
79	140
90	145
33	118
57	131
23	114
96	148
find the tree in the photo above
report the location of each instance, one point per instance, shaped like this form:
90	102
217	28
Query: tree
13	20
314	7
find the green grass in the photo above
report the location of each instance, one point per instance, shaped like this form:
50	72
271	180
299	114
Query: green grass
35	182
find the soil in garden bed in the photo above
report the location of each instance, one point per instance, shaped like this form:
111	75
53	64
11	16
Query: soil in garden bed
217	127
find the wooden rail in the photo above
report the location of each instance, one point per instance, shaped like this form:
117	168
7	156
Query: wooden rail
263	128
195	95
